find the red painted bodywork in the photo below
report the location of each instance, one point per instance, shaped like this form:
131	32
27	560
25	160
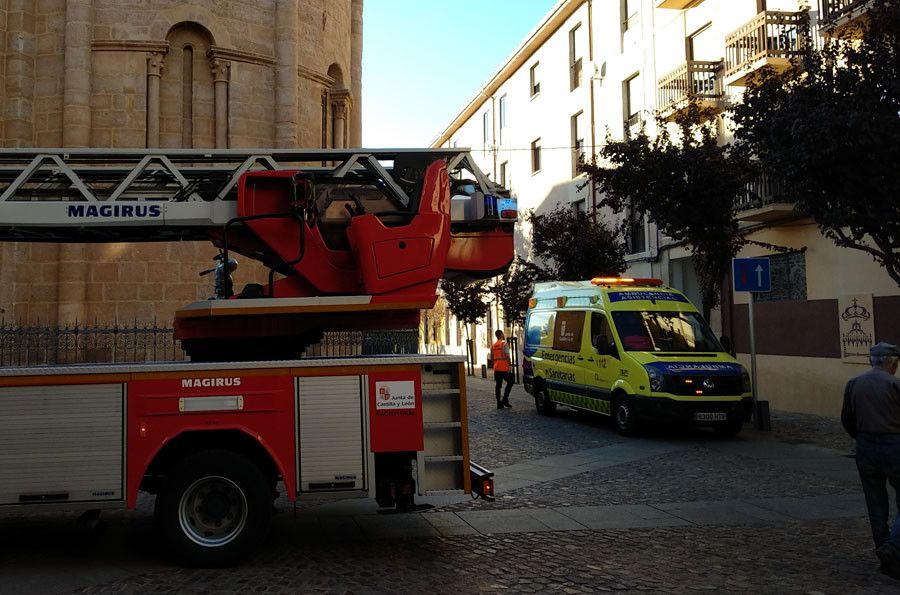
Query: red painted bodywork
154	419
267	417
381	260
395	429
399	264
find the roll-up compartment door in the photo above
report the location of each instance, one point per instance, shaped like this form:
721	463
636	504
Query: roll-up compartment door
61	443
331	434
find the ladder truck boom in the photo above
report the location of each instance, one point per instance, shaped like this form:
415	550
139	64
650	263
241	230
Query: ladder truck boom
353	238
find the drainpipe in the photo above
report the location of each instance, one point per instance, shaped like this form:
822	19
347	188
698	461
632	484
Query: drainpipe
593	123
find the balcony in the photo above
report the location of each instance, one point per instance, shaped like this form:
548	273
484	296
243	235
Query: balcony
770	39
700	80
842	17
676	4
632	126
764	199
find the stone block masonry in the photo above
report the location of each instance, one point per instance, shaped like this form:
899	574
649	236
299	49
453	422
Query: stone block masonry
162	73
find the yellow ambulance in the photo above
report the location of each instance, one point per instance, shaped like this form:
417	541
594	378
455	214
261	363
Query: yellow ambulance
632	349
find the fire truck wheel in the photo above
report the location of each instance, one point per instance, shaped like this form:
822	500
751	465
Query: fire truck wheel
214	509
542	401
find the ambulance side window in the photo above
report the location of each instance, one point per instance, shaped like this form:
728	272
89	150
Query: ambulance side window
601	335
540	329
567	332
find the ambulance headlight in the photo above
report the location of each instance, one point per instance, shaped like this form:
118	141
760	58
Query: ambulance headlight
746	385
656	379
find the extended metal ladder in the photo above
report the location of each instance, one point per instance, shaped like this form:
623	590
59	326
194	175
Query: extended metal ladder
160	194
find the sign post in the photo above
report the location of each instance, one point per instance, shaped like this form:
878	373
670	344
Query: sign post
752	275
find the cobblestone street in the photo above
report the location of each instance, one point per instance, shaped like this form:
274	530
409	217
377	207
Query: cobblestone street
668	512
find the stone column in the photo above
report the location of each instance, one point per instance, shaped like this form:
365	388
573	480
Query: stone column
155	65
356	50
3	44
77	82
18	105
221	71
341	107
286	62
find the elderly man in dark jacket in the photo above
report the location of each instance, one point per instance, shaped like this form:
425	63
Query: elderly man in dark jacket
871	414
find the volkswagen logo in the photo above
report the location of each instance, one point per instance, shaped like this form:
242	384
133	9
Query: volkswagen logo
708	384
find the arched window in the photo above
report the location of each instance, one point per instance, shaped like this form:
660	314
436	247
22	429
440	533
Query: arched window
187	93
338	106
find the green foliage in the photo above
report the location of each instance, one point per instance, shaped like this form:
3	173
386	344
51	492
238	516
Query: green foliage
570	245
466	300
514	289
685	183
829	128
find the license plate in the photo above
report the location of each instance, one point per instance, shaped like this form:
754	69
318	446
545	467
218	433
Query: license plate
710	417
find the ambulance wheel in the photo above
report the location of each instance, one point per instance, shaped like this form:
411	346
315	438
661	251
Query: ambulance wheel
624	416
214	509
542	401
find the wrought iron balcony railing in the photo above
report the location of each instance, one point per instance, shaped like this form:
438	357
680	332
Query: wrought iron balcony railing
831	10
770	38
632	126
762	191
701	80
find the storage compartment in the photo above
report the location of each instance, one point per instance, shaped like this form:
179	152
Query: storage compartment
61	444
330	430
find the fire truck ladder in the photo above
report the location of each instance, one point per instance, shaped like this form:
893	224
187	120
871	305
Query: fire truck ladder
116	195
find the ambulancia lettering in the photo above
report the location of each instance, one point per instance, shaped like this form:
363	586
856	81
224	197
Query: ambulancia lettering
209	382
112	211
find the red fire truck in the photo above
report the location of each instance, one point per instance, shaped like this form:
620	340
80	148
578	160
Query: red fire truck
215	439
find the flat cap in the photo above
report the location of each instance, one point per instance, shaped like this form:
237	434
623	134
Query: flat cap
881	349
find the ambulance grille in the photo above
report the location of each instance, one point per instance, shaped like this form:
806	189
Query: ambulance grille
712	386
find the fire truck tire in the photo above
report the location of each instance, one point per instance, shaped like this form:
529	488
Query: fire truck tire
214	509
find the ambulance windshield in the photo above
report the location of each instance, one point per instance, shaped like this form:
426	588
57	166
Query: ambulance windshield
665	332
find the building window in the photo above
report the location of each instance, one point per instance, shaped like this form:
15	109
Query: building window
629	14
632	102
503	173
486	129
636	242
574	59
579	206
536	155
502	116
788	271
535	83
576	125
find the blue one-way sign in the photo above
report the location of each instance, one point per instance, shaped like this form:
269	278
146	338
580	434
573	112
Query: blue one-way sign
751	274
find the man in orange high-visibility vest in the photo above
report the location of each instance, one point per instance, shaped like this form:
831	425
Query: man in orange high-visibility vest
500	357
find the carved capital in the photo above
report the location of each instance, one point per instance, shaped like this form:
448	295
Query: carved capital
156	63
341	103
221	70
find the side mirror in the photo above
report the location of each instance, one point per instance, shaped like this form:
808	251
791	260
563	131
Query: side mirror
726	344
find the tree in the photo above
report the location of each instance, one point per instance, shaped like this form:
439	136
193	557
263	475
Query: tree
568	244
514	289
686	183
466	300
829	128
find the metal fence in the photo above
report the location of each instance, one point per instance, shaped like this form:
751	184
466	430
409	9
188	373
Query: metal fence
343	343
37	345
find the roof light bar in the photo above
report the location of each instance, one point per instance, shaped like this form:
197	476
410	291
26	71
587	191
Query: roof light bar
626	281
